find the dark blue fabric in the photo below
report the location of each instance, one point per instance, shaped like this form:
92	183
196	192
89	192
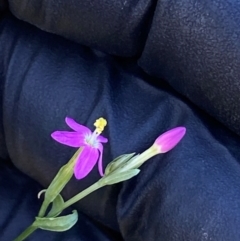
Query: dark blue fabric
191	193
115	27
194	46
3	149
3	6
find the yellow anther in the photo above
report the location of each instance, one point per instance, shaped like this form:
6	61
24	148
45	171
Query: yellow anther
100	125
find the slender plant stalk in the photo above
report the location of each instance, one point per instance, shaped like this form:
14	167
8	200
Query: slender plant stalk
71	201
82	194
42	209
79	196
26	233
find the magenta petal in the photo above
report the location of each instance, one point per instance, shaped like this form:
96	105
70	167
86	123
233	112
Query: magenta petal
102	139
100	166
86	161
77	127
170	139
68	138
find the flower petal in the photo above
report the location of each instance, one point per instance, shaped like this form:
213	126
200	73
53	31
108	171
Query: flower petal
170	139
102	139
100	166
68	138
86	161
77	127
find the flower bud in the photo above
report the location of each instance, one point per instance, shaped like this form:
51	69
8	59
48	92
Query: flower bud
162	144
168	140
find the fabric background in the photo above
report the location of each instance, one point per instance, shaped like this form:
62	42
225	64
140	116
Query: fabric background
191	193
115	27
193	45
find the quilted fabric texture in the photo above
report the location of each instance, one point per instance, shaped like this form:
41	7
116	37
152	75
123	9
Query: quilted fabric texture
191	193
193	45
115	27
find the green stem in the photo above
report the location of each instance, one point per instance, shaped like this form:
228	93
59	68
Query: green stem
139	160
28	231
71	201
79	196
82	194
43	208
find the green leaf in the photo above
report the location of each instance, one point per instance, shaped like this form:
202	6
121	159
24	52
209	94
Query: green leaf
120	176
58	202
58	224
117	162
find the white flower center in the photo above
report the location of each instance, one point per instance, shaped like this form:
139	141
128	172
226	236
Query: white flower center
92	140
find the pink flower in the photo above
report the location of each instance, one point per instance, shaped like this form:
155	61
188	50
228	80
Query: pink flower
81	136
168	140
